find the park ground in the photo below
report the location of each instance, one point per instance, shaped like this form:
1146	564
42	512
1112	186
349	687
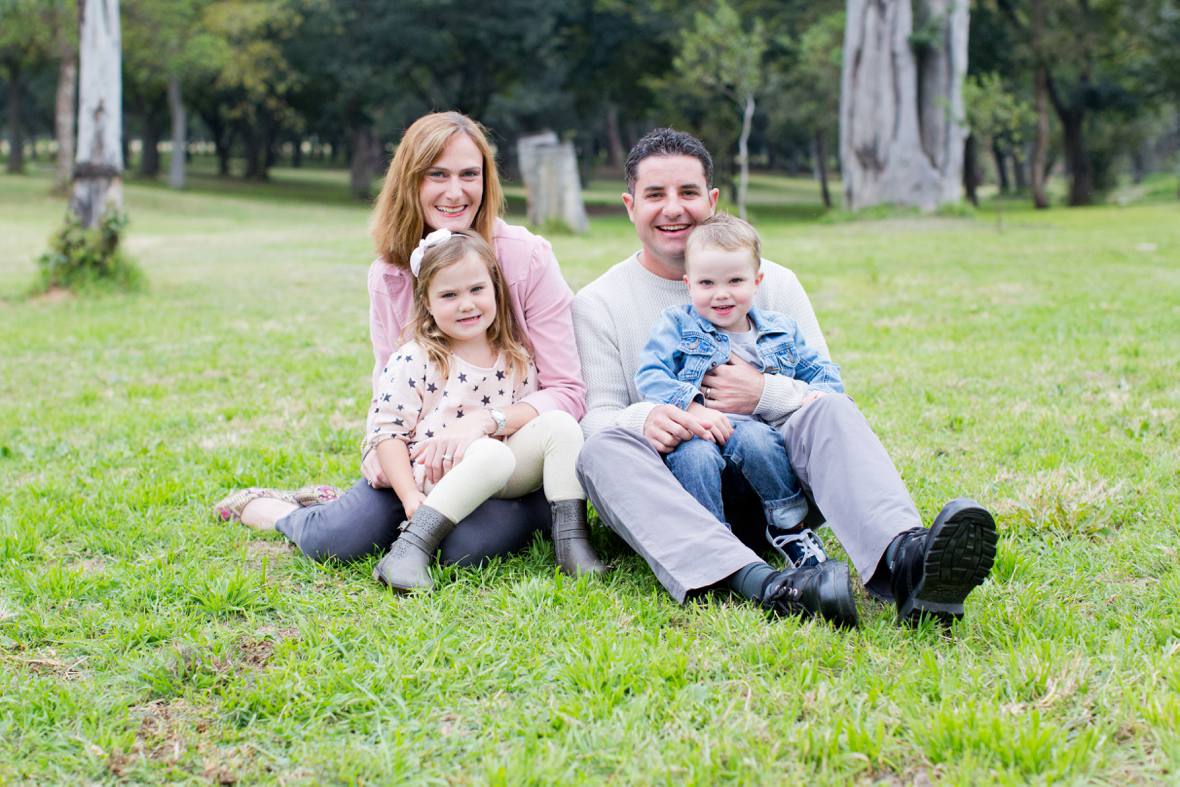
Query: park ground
1027	359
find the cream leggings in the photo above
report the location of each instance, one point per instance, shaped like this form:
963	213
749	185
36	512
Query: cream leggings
543	452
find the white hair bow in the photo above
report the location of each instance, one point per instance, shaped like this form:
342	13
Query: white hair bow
433	239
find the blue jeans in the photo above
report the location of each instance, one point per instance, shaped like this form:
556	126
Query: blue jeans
757	452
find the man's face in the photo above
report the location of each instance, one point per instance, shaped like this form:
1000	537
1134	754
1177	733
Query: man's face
671	197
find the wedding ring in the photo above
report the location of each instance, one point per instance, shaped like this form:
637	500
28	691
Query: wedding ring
707	392
447	457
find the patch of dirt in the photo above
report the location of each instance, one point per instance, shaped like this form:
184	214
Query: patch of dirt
89	566
47	663
257	652
54	295
271	547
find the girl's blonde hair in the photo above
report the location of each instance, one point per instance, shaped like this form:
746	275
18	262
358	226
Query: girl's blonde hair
504	334
397	223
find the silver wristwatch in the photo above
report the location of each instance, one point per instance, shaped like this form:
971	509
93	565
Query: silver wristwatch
501	421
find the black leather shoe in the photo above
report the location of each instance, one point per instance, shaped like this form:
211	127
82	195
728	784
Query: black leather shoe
824	590
934	570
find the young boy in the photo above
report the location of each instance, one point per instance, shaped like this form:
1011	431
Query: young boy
722	261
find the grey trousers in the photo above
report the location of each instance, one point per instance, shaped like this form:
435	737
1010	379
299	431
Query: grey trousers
365	521
834	452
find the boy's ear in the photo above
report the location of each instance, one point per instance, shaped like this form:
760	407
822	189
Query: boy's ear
758	278
684	278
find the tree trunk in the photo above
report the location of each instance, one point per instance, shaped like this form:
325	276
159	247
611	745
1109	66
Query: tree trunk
16	131
1001	167
153	130
615	156
365	162
1019	174
176	167
63	118
901	140
98	174
820	149
1037	168
970	170
1077	160
296	153
744	154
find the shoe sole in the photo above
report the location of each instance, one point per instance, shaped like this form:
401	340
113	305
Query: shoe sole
837	585
959	557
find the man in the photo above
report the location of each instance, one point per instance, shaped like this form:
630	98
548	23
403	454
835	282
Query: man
832	449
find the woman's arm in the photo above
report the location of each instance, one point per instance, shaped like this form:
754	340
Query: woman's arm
546	302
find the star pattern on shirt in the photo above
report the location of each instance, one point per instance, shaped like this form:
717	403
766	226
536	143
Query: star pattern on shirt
499	375
386	397
431	388
398	422
429	433
462	377
486	400
459	413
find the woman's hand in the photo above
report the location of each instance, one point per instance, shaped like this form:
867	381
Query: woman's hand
372	472
439	454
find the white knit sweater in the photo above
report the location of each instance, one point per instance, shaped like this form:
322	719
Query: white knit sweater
613	316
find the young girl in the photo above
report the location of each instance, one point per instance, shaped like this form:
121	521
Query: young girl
446	427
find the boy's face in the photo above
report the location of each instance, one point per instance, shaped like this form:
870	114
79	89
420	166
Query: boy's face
721	285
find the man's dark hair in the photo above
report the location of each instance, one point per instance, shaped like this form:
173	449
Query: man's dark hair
667	142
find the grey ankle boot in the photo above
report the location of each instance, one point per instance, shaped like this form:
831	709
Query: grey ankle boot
406	565
571	539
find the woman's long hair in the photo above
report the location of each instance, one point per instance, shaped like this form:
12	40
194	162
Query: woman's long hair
397	223
504	335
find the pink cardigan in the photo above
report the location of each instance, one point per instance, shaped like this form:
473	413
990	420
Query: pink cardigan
540	300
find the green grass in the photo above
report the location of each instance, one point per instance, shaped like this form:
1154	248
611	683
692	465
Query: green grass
1031	363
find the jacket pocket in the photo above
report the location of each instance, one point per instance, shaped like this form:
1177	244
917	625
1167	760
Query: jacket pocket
697	350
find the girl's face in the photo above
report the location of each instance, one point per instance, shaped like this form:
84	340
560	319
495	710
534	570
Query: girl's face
452	188
461	299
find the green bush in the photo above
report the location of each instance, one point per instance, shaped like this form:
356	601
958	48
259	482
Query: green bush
80	259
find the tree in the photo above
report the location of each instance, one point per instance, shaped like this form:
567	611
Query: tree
995	114
718	54
24	44
98	173
901	105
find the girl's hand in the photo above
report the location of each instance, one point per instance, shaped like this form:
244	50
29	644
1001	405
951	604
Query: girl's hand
411	503
439	454
714	420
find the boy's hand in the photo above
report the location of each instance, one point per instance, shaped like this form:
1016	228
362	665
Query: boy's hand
714	420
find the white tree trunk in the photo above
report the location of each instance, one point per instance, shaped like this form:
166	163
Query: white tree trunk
744	154
98	172
549	169
63	117
901	114
179	134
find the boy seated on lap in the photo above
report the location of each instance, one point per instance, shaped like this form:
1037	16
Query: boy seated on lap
722	260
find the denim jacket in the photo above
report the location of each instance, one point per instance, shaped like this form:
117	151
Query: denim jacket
684	346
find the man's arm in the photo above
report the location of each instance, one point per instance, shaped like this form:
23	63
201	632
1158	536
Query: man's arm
608	400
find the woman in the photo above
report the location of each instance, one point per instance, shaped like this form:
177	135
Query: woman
442	177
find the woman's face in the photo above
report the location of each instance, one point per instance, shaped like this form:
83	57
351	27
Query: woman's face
452	188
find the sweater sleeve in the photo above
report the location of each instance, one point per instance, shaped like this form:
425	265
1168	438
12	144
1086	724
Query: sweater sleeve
608	402
547	309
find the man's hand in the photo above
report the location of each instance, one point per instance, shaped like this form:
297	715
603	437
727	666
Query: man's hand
733	387
811	397
715	421
667	427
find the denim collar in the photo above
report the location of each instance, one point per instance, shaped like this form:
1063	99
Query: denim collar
762	326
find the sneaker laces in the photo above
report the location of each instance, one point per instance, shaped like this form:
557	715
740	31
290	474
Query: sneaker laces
808	545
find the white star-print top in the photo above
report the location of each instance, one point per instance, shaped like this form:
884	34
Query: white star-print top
414	402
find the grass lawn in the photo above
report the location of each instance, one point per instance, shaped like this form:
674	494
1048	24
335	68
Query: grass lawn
1031	363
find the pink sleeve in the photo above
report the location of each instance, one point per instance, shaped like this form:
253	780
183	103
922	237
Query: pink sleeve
547	311
384	328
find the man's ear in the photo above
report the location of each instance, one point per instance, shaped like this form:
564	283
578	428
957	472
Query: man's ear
714	193
629	204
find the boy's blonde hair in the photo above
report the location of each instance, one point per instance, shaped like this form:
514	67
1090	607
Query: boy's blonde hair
729	233
397	223
504	335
